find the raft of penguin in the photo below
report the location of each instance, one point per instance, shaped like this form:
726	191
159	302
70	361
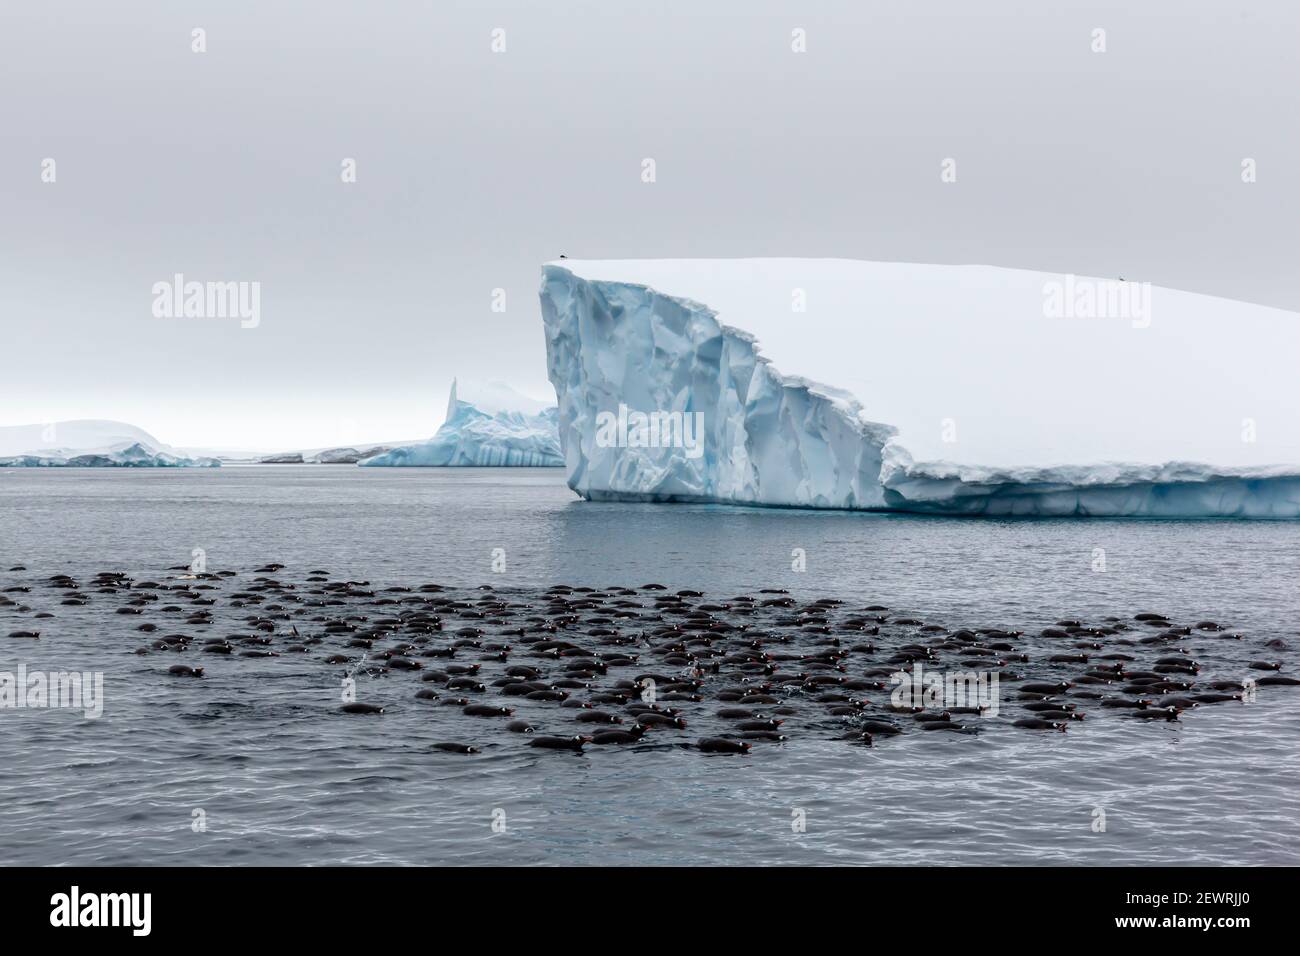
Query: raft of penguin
567	667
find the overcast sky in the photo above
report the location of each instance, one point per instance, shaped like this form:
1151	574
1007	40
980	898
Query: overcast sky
473	167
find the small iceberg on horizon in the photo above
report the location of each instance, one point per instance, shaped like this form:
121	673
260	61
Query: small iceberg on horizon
486	426
90	443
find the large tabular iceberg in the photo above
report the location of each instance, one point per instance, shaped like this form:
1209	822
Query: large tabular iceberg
966	390
490	425
90	443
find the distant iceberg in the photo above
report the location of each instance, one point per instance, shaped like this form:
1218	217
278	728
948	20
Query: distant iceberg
122	456
958	390
349	455
490	426
90	443
343	455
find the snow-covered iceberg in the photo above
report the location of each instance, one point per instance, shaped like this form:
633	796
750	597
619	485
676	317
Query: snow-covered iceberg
966	390
90	443
489	425
121	456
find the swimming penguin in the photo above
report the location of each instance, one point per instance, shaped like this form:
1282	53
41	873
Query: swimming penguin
1034	723
1057	715
660	720
1156	713
465	683
359	708
558	743
33	634
551	695
1040	688
486	710
456	748
182	670
759	725
720	745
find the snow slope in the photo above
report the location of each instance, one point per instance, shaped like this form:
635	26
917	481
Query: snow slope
488	425
948	389
75	436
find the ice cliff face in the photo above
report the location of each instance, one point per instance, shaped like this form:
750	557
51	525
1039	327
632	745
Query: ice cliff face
620	349
766	439
496	427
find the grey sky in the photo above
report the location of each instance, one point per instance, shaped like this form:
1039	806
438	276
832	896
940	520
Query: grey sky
474	167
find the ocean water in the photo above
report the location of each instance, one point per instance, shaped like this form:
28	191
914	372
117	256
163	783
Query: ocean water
259	754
